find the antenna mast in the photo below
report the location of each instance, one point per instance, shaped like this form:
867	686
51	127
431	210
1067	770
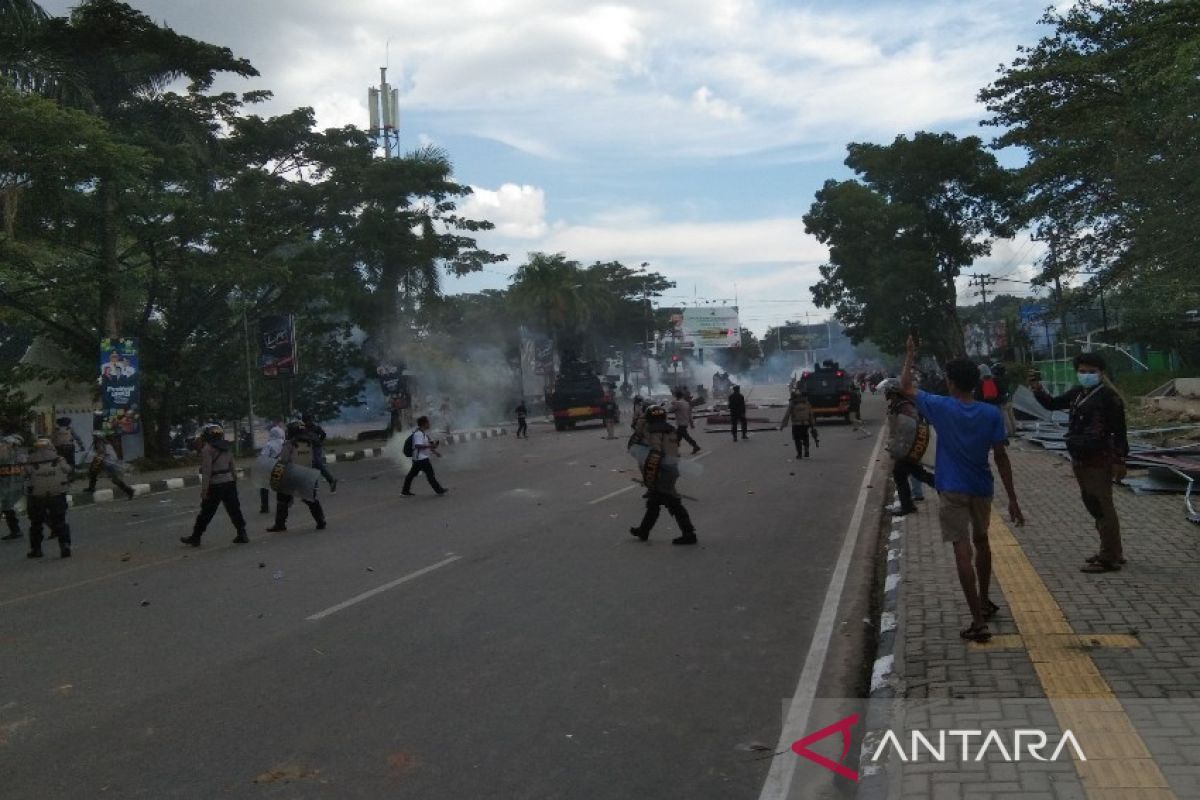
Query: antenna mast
383	108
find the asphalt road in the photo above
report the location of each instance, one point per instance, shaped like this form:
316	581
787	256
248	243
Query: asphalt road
508	640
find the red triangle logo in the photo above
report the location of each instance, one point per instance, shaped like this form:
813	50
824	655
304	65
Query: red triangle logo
800	747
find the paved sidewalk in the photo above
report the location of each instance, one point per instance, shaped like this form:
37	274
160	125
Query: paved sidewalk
1121	643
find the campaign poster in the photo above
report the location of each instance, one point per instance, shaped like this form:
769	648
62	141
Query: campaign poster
120	398
394	385
277	345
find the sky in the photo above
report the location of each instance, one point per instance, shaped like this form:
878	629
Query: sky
690	135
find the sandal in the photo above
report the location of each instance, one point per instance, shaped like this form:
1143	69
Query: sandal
1100	566
976	633
990	609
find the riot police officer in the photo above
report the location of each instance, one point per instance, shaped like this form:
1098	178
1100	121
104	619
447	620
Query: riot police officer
218	485
660	471
12	483
46	479
297	449
66	440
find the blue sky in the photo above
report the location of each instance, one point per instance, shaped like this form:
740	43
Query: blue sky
689	134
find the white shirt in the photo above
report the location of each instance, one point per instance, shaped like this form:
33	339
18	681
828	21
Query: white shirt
420	445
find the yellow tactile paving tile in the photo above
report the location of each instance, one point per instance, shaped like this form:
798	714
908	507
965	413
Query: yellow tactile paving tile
1118	765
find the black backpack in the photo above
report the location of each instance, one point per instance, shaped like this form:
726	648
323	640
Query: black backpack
408	446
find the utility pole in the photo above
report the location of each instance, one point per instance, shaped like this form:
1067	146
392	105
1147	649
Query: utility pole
983	282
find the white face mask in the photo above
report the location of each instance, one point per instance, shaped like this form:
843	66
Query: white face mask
1088	379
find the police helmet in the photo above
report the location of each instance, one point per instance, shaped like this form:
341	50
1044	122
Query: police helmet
212	433
656	413
42	441
63	421
295	428
888	385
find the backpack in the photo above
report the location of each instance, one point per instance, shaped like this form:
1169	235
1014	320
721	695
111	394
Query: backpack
988	390
408	446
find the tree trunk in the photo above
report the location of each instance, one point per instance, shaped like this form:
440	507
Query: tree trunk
109	277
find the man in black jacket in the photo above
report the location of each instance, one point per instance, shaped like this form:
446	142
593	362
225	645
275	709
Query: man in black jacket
1098	446
737	412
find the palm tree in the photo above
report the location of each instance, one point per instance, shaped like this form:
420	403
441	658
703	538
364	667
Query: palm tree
565	298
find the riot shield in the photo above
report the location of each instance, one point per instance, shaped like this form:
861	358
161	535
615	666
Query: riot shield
298	481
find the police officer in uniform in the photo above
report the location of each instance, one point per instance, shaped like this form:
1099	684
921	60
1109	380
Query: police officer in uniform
317	434
66	440
298	448
737	412
46	479
800	414
218	485
12	483
660	471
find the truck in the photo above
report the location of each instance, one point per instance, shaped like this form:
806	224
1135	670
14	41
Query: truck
577	396
830	390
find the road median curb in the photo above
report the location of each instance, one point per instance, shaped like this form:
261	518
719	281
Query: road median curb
181	482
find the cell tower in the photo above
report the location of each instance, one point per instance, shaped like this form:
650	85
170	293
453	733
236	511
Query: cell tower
383	104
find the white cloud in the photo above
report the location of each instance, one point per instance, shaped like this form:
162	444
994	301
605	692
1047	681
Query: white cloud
518	212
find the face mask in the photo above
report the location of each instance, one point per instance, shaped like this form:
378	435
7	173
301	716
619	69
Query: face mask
1088	379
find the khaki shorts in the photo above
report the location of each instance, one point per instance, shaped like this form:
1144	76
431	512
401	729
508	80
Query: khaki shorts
959	513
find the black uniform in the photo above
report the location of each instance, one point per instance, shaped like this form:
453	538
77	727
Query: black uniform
317	436
737	413
522	425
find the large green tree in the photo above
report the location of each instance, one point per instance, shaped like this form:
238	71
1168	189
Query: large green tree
921	211
1104	106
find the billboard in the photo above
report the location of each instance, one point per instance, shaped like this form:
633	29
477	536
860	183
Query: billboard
711	327
804	337
394	384
120	397
277	345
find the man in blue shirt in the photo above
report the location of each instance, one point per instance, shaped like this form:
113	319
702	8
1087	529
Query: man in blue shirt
966	431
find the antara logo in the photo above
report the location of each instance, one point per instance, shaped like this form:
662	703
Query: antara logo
973	745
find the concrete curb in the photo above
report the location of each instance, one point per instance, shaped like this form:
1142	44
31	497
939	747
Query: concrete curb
874	781
171	484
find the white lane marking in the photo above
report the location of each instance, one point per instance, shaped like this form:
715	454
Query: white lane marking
795	725
611	495
379	589
705	454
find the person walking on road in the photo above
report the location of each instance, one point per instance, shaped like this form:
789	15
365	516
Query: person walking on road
660	471
908	438
297	449
800	413
47	476
682	409
421	448
966	431
737	412
66	440
318	439
12	483
1097	444
218	486
270	452
105	459
522	422
608	408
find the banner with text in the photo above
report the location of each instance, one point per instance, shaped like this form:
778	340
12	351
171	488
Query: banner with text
120	397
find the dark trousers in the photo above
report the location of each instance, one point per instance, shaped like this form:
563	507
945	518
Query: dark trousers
522	428
734	421
682	435
14	525
113	476
1095	487
800	437
218	494
654	501
283	503
319	465
264	500
900	472
51	511
424	465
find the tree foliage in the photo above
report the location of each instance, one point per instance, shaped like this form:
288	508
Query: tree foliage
921	210
1105	108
